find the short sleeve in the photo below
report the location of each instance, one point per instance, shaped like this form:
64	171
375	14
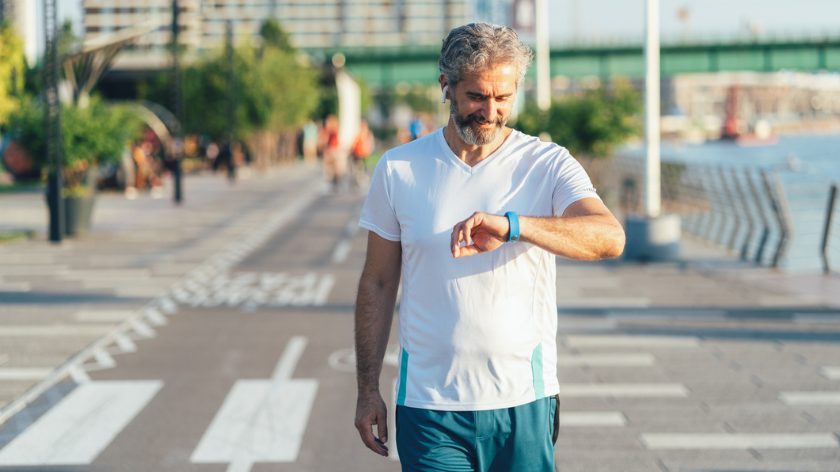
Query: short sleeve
571	184
378	213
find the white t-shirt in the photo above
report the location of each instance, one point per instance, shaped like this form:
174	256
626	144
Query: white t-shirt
478	332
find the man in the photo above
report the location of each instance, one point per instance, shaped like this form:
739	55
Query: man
471	216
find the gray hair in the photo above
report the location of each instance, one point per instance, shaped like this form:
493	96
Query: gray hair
475	46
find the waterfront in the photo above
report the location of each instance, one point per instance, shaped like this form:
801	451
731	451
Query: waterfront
807	165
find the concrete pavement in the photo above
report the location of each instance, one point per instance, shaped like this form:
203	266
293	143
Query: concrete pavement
181	320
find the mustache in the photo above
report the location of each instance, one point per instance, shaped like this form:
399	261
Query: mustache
476	118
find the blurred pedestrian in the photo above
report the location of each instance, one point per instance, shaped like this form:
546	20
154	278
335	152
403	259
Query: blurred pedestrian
335	160
310	141
360	152
477	383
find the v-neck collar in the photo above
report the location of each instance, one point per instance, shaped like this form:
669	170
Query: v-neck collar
493	156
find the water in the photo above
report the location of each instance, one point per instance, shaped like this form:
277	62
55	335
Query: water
806	165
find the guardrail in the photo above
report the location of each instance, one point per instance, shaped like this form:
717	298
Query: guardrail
827	227
749	212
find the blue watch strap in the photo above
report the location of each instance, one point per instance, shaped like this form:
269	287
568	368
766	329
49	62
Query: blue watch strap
513	221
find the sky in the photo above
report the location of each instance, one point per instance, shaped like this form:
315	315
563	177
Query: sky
589	21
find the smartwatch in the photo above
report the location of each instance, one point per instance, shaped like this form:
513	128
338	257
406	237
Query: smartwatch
513	221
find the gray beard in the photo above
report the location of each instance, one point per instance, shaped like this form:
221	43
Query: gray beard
468	134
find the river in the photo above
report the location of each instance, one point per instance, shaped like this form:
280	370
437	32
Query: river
807	165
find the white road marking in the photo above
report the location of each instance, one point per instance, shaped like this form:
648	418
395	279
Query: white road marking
103	315
80	427
593	418
571	324
739	441
810	398
252	290
125	343
155	317
631	341
23	373
831	372
611	360
55	330
342	249
652	390
261	420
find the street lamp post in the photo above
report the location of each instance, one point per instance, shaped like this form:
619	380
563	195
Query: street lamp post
652	236
177	108
52	123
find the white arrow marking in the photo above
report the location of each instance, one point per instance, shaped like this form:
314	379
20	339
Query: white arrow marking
261	420
81	426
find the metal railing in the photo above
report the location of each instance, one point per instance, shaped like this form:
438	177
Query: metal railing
749	212
827	229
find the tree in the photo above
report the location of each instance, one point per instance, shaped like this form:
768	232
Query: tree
591	124
271	89
12	72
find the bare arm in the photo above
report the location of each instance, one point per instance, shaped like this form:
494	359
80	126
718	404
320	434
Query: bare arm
374	313
586	231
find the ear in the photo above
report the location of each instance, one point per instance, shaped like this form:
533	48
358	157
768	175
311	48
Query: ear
443	94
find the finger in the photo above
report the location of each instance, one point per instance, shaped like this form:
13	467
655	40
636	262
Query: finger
453	241
372	442
469	251
382	428
468	227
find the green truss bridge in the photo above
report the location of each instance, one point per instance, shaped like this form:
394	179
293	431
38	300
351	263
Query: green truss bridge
389	67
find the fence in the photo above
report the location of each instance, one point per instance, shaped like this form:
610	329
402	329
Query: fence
756	214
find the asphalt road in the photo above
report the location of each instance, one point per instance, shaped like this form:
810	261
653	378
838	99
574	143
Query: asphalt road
247	365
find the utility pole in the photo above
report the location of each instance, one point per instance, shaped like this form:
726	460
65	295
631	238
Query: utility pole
52	123
653	204
177	147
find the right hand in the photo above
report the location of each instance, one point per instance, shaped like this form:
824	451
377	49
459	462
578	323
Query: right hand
370	411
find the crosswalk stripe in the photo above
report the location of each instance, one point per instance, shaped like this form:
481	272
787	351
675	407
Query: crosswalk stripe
626	359
739	441
624	390
592	418
810	398
103	315
23	373
631	341
55	330
831	372
77	429
261	420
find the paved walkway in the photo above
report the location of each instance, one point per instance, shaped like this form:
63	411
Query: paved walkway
707	364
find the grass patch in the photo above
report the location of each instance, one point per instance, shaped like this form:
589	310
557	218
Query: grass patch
8	236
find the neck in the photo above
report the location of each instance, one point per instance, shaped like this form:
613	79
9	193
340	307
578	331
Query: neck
472	154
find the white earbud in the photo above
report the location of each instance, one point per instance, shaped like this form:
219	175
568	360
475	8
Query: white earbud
443	94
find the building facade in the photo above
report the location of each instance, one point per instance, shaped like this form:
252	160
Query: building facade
311	24
22	16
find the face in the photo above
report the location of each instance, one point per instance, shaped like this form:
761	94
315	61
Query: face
481	103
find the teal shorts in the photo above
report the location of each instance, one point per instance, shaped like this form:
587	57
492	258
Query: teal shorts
508	439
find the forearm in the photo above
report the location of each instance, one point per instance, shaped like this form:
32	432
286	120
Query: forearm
589	237
374	313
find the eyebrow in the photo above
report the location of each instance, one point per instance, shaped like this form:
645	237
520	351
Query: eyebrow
484	95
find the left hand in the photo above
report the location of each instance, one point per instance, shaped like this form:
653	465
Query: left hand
481	232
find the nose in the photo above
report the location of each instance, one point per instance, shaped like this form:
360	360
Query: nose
490	109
